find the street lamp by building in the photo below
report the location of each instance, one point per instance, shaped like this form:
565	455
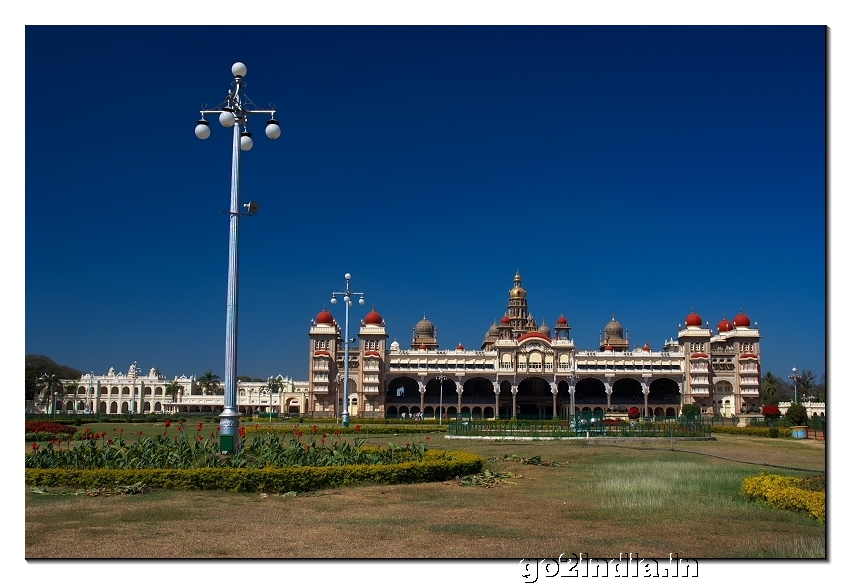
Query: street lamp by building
442	377
91	393
346	296
133	396
337	402
271	397
55	397
794	377
234	112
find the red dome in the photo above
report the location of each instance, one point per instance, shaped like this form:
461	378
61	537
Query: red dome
609	348
724	325
742	321
324	317
373	317
460	347
562	321
693	319
506	319
423	347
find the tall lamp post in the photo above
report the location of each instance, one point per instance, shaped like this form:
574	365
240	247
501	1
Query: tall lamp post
233	112
794	377
442	377
55	397
346	297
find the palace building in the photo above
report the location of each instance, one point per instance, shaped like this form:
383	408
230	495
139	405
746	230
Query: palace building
525	370
520	370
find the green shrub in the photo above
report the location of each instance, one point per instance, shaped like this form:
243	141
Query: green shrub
751	431
437	466
691	410
797	415
773	432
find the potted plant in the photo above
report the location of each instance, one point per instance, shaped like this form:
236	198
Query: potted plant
634	413
798	417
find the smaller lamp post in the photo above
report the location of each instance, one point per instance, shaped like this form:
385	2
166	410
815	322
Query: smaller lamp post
55	397
442	377
794	377
271	398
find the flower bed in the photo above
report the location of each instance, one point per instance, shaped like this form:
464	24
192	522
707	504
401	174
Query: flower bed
801	494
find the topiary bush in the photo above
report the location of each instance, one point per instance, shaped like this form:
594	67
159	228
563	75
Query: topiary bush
691	410
797	415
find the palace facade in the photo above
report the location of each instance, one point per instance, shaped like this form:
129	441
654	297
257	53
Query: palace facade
117	393
519	370
525	370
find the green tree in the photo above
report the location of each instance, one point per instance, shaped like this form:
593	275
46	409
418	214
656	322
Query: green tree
691	411
769	388
210	384
797	415
37	366
805	384
48	384
172	388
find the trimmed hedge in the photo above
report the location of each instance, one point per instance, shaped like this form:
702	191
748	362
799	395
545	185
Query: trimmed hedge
438	466
785	492
751	431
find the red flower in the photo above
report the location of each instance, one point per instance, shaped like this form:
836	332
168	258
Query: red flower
308	447
34	446
200	426
242	431
256	425
427	437
336	432
356	428
315	428
200	438
121	431
408	444
103	433
218	427
179	428
167	423
140	433
109	442
212	435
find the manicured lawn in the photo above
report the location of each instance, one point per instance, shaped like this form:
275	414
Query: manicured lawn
599	499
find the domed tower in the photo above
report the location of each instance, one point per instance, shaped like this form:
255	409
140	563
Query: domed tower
562	327
424	334
544	329
518	306
325	342
612	337
373	369
491	337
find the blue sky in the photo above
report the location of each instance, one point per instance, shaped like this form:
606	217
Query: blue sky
640	171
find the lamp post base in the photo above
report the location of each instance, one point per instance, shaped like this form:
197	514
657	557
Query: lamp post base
229	436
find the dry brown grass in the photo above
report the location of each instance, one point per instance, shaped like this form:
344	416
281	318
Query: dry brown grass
546	512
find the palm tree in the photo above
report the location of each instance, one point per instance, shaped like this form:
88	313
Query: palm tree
48	383
769	385
172	388
209	383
